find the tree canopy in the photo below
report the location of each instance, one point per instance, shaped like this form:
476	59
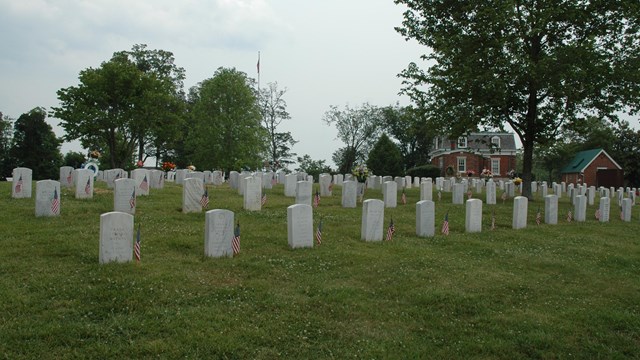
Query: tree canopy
224	122
385	158
533	65
274	110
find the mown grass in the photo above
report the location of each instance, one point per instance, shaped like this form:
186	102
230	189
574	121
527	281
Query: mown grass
549	291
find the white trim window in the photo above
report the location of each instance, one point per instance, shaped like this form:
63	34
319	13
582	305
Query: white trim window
495	142
462	164
495	166
462	142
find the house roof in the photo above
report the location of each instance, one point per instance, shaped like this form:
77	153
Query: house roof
583	159
482	140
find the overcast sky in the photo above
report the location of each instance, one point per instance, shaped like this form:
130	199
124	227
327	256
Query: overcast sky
330	52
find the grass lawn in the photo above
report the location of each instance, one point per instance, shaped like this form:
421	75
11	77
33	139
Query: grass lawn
570	290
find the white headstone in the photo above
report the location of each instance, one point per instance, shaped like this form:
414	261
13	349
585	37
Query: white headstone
217	178
234	178
125	196
626	209
84	183
372	220
243	175
171	176
21	187
426	190
425	218
218	233
303	192
473	218
252	193
400	181
390	194
290	183
325	185
116	237
157	179
192	193
407	182
491	192
458	194
181	174
580	208
66	176
551	209
605	207
143	183
339	179
208	179
300	226
267	180
47	198
349	194
520	205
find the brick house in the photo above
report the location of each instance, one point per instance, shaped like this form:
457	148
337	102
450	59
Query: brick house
593	167
475	152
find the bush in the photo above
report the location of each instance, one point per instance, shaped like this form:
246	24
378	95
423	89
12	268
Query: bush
431	171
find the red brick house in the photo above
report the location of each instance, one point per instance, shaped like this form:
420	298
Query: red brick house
593	167
475	152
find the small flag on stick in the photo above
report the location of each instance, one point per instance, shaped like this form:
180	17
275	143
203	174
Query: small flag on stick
445	224
316	199
87	187
19	185
598	214
538	217
319	233
569	216
263	200
204	200
469	194
235	243
404	197
55	203
493	220
136	247
144	185
391	230
504	196
439	195
132	200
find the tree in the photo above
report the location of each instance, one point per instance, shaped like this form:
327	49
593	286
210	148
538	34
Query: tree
74	159
312	167
385	158
412	132
626	151
274	110
356	128
225	123
6	162
533	65
35	146
122	105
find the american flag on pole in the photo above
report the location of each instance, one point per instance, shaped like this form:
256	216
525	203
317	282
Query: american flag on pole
391	230
331	185
598	214
273	180
204	200
136	247
504	196
569	216
404	197
19	185
493	220
316	199
55	203
319	233
445	224
235	242
87	187
439	195
70	178
132	199
538	217
144	185
263	199
469	194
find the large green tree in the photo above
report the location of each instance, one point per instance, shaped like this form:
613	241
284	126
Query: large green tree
274	110
129	101
6	162
357	128
413	133
225	130
626	151
533	65
385	158
312	167
35	146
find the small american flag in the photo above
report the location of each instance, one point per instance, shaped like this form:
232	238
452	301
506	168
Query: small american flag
538	217
235	243
621	214
404	197
204	200
273	180
331	185
391	230
144	185
445	224
132	199
469	194
493	220
160	179
117	175
87	187
316	199
263	199
598	214
504	196
569	216
319	233
439	195
55	203
136	247
19	185
70	178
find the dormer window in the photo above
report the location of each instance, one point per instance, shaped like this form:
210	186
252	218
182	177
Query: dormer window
462	142
495	142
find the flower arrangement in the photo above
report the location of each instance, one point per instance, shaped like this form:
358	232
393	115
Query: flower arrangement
95	154
168	166
486	174
139	163
470	173
517	180
360	172
191	168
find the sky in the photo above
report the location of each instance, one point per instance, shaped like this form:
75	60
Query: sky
330	52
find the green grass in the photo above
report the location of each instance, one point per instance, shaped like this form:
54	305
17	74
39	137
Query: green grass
570	290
